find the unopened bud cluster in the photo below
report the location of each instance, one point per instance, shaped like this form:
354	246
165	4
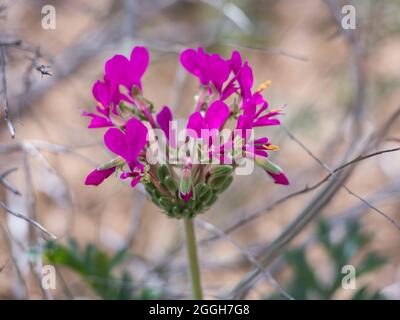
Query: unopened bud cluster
167	190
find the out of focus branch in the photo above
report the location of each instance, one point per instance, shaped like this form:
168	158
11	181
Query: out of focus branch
6	184
211	228
259	212
357	63
29	220
313	208
3	82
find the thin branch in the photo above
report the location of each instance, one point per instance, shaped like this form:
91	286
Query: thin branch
359	158
6	184
30	221
211	228
310	211
261	211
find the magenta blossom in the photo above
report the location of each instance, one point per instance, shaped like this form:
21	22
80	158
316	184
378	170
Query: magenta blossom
106	101
186	187
128	146
210	69
214	118
243	75
121	71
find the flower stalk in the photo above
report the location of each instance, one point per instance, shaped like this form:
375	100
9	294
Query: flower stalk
193	259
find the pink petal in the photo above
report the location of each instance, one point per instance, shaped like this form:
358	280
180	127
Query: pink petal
163	119
136	137
96	177
97	121
115	141
139	61
196	123
216	115
279	178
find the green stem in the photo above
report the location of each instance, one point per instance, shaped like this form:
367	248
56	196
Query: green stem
193	260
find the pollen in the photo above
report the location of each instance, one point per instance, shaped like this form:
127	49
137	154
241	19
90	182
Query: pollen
264	85
271	147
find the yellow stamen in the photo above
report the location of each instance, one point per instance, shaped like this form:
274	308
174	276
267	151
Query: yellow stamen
271	147
264	85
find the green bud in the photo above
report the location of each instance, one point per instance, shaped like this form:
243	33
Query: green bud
201	189
149	187
211	201
268	165
199	207
216	182
155	200
156	193
162	172
207	196
165	202
185	184
222	171
170	184
225	184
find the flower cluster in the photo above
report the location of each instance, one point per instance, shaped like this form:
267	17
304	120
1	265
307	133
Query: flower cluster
225	100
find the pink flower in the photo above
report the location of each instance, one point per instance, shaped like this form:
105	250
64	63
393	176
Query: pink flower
208	68
121	71
215	117
128	146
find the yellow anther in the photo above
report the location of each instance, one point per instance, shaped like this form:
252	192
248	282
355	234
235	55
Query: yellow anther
271	147
264	85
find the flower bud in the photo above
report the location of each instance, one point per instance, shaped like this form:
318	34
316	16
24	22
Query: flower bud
170	184
201	189
162	172
273	170
186	185
225	184
222	171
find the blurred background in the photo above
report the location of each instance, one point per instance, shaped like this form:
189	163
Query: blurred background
341	92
